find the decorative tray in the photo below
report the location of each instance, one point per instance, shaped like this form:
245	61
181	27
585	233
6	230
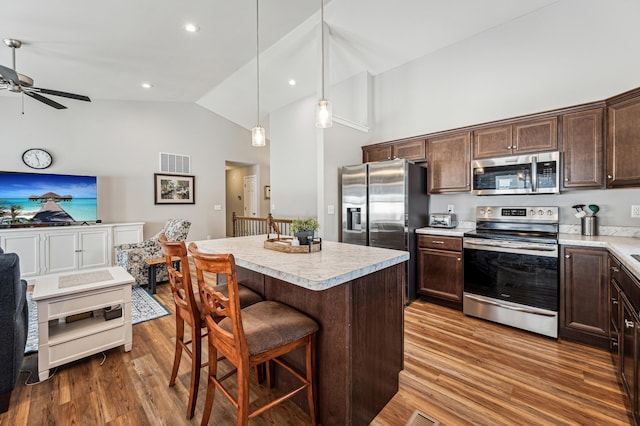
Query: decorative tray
283	244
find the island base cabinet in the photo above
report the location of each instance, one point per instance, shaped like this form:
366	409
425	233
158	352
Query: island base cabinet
359	346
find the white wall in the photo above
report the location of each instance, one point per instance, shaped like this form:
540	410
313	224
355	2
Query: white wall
572	52
293	160
119	142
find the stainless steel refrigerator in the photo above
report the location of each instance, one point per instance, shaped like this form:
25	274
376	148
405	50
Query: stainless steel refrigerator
383	203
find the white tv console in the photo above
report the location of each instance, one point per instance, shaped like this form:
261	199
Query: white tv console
60	296
56	249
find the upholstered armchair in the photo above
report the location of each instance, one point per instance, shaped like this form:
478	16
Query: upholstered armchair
14	323
132	256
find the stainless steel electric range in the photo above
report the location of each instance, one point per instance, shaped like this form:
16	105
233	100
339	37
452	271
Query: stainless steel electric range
511	268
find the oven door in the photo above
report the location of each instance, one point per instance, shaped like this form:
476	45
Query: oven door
518	272
513	283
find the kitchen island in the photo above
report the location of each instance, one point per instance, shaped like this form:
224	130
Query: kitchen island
355	294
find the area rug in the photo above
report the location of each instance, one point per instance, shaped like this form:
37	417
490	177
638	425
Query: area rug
144	307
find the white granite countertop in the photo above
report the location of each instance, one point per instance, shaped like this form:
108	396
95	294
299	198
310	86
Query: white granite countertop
621	247
335	264
451	232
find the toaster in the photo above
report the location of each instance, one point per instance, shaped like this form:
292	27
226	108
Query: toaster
443	220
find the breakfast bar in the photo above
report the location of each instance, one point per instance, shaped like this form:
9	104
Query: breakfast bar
355	293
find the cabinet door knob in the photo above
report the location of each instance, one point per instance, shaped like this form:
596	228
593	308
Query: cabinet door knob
609	176
628	324
615	269
567	256
459	259
614	301
566	179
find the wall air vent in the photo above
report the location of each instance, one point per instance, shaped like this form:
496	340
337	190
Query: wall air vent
175	163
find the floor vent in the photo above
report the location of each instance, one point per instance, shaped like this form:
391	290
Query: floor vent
175	163
420	419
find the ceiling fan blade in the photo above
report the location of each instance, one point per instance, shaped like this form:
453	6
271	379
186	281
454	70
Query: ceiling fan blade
10	75
63	94
45	100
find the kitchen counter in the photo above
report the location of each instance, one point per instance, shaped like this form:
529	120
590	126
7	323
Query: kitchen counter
335	264
621	247
356	295
450	232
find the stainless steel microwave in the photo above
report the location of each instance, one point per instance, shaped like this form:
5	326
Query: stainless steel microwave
521	174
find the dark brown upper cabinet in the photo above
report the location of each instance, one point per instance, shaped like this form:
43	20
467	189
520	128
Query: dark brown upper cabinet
623	140
449	168
517	138
411	150
377	153
583	149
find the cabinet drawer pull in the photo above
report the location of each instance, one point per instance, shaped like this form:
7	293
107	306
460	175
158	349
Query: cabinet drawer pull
628	324
437	242
614	301
78	251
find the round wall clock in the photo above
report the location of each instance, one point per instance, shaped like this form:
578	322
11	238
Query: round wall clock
37	158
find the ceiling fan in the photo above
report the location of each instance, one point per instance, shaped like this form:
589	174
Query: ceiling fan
20	83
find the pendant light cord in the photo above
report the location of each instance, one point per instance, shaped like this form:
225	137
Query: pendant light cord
258	61
322	41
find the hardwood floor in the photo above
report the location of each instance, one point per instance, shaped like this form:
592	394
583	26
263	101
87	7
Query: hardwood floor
458	370
461	370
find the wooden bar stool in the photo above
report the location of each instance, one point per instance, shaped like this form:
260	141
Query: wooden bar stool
259	333
187	310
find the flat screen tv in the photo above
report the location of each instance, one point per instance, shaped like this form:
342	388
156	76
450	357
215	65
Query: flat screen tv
39	199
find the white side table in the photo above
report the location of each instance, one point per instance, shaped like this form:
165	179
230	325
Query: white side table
59	296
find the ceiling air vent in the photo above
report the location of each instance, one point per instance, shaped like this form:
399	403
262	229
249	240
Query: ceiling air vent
175	163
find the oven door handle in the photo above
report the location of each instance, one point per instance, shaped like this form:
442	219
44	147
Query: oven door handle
546	250
534	174
513	308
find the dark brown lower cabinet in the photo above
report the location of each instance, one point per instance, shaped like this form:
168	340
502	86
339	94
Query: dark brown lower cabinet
440	269
584	295
625	331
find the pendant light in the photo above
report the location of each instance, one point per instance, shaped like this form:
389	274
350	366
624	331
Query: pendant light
258	137
323	107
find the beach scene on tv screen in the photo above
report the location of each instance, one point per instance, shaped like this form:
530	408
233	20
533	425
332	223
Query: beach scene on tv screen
30	198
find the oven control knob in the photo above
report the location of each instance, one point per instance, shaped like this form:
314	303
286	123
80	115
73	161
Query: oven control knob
540	212
549	213
532	212
482	211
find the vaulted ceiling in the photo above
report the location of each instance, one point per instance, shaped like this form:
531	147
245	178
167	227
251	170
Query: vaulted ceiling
105	50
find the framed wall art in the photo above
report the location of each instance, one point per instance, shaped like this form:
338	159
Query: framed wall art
174	189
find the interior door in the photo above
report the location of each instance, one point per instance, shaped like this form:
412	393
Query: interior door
250	196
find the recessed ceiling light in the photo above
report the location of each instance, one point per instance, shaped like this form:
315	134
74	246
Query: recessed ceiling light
146	85
292	82
192	28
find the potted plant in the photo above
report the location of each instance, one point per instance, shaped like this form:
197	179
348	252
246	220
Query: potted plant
303	229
